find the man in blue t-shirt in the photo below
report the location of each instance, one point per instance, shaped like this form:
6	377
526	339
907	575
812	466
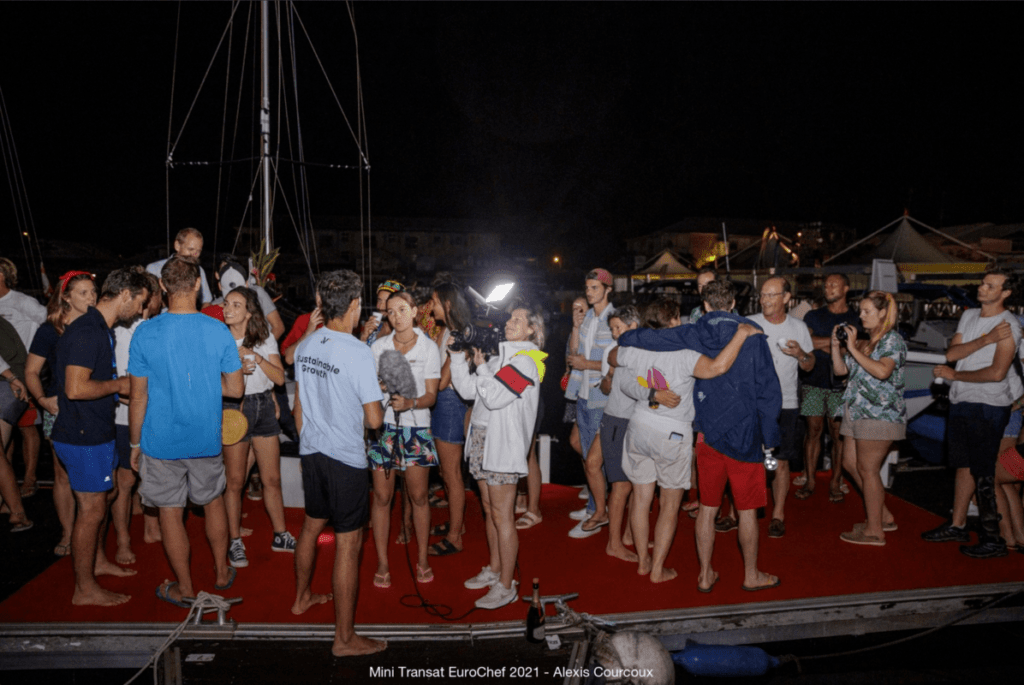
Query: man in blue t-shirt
181	363
337	395
83	433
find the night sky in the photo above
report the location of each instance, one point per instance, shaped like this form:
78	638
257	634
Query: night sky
598	120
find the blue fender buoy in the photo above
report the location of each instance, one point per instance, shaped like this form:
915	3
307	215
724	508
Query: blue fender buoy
724	660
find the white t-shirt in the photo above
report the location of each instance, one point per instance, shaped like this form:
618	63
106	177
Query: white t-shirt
620	405
787	368
122	343
425	360
257	381
999	394
677	370
207	296
335	377
24	313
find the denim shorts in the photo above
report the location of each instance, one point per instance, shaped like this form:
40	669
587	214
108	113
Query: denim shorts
259	413
448	417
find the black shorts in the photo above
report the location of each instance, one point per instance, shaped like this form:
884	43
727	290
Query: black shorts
789	428
123	443
335	491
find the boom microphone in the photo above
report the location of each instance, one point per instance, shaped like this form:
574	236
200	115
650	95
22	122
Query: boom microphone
396	375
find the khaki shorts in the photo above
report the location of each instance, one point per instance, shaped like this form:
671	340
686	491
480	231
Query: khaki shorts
872	429
650	456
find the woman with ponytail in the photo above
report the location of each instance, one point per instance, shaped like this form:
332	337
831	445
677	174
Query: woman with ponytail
874	413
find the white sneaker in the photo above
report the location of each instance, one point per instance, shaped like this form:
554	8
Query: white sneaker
581	514
483	579
498	596
585	492
972	509
578	533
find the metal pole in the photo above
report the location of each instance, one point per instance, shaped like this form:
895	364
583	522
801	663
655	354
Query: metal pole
725	239
265	120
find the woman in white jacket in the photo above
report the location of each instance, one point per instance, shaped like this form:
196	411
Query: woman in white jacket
506	389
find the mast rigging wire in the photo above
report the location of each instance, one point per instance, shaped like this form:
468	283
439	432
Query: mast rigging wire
24	221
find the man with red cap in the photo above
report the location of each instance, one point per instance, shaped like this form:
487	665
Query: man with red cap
595	338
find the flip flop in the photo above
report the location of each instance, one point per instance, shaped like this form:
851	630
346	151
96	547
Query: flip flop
442	549
62	550
762	587
441	529
184	602
424	576
382	581
800	480
711	587
803	493
29	490
23	526
231	579
528	520
595	527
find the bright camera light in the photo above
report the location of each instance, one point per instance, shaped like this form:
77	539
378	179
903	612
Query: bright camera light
499	292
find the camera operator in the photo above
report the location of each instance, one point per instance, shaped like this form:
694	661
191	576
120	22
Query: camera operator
506	388
874	412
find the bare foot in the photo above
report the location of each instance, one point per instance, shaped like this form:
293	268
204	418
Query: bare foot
644	567
706	587
105	568
357	646
620	553
663	574
125	555
99	597
245	532
403	537
311	599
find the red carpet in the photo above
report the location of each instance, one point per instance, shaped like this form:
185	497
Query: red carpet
810	560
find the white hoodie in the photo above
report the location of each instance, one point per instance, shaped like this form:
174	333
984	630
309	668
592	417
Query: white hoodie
509	418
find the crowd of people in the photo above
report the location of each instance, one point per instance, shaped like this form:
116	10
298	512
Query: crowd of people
155	395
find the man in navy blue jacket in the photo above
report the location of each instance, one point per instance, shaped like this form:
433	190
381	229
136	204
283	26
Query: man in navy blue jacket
737	413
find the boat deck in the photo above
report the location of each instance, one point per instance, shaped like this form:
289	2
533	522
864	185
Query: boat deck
828	587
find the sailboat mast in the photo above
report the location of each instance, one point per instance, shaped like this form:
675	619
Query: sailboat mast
265	120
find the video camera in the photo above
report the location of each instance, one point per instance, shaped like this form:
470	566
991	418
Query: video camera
487	331
486	338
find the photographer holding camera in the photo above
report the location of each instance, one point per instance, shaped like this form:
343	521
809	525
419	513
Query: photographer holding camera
874	412
506	388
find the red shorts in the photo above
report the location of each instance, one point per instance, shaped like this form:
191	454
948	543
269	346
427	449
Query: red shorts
30	417
1013	463
715	469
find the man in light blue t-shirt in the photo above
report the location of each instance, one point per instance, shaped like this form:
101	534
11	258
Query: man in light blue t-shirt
337	395
180	364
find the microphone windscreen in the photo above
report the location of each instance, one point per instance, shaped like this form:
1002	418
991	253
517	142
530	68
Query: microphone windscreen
396	374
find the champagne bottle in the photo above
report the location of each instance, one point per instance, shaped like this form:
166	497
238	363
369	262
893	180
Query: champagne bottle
535	616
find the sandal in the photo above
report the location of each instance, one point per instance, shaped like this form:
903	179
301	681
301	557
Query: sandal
521	504
725	524
835	495
62	550
424	575
383	581
528	520
442	549
436	502
29	489
800	480
23	523
403	537
804	492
